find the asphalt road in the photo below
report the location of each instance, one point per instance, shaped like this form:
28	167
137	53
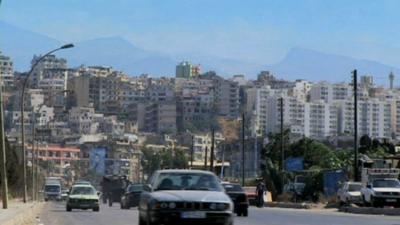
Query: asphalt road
55	214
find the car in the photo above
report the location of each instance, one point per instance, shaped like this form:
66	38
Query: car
251	194
82	182
184	197
132	196
381	192
350	192
239	198
64	194
83	196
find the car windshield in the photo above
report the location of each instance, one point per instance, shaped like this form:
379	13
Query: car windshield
354	187
233	188
82	191
187	181
386	183
52	188
136	187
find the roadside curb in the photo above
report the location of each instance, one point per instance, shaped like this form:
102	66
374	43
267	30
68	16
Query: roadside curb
26	216
371	211
288	205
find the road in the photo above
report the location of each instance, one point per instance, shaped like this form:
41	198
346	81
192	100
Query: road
55	214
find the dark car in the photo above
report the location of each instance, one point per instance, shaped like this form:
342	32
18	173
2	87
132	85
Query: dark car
184	197
239	198
132	196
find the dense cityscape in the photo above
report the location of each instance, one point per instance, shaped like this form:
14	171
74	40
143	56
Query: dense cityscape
199	112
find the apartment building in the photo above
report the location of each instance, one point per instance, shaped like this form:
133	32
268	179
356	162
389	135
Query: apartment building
6	71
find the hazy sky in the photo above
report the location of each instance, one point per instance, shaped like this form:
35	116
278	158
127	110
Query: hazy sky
254	30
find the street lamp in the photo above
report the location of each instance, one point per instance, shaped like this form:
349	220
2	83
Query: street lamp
22	100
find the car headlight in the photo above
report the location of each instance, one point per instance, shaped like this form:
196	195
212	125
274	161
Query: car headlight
163	205
172	205
213	206
153	204
223	206
378	193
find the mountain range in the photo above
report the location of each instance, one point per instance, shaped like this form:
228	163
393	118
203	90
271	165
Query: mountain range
299	63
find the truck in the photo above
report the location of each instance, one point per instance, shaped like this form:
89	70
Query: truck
113	187
52	188
380	187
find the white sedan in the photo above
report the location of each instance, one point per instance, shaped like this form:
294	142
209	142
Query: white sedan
350	192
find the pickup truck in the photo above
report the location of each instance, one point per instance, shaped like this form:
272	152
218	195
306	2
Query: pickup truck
381	187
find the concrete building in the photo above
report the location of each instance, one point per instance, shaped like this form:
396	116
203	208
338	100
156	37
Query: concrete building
82	120
6	71
61	158
374	118
202	141
49	62
320	120
226	95
184	70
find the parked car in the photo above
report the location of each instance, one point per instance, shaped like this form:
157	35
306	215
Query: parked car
184	196
251	194
239	198
350	192
132	196
380	187
83	196
64	194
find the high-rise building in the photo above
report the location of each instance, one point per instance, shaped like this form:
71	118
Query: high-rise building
184	70
6	71
49	62
391	80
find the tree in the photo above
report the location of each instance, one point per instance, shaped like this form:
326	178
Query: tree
168	158
14	175
317	157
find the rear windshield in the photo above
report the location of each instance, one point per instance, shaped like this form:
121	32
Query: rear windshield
52	188
233	187
354	187
133	188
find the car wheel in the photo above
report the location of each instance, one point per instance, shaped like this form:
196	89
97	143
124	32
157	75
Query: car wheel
374	203
141	221
69	209
245	213
96	209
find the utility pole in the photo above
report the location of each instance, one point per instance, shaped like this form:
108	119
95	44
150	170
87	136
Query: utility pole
223	162
205	159
37	170
243	159
356	177
33	156
192	153
282	145
212	149
282	142
4	185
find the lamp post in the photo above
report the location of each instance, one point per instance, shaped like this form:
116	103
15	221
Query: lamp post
4	185
22	100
